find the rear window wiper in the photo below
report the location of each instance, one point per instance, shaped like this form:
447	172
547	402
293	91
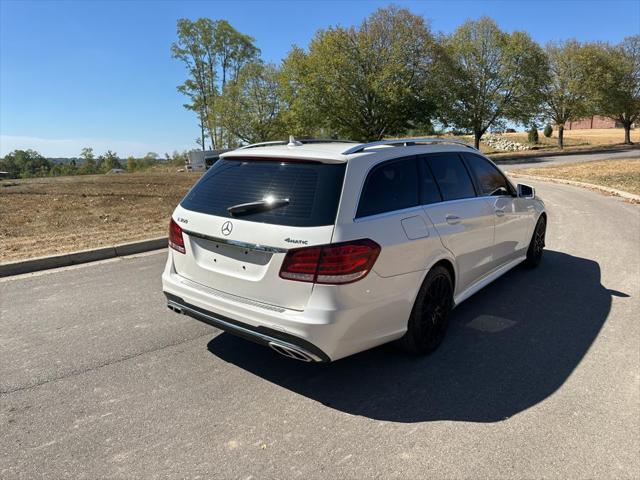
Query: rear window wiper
269	203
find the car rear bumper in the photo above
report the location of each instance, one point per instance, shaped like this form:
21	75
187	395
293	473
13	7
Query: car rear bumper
337	321
283	343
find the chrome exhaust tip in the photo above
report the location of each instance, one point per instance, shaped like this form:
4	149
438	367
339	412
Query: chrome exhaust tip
287	351
174	308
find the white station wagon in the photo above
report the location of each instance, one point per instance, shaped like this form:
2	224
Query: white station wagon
321	249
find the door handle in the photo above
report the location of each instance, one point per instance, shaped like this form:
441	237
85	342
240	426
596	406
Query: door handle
499	212
452	219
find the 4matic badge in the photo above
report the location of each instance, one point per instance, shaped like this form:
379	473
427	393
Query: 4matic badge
294	240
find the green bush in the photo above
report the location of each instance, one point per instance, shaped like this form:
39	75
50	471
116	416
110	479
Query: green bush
25	164
533	134
548	131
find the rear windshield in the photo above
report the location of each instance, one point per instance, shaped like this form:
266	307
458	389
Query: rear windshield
313	190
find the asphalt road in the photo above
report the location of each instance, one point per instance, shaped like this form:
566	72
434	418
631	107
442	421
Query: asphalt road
552	160
539	377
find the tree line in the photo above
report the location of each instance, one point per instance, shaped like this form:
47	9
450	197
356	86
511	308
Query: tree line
392	76
29	163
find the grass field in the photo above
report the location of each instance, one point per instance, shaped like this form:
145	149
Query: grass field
619	174
55	215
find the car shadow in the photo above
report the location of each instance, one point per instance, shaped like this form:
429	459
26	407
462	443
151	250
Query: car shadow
509	347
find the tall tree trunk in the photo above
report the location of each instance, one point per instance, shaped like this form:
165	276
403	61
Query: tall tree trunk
561	136
477	135
212	138
202	130
627	132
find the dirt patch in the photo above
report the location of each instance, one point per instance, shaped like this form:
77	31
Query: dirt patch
47	216
619	174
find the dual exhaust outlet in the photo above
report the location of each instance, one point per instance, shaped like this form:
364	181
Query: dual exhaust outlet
288	351
174	308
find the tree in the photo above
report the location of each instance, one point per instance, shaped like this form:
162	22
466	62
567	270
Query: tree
108	161
614	73
176	158
548	131
363	82
89	162
145	162
25	164
566	94
532	134
132	165
251	106
62	169
234	50
487	75
213	53
299	120
195	49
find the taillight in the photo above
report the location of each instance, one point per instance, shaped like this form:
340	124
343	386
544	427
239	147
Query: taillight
337	263
175	237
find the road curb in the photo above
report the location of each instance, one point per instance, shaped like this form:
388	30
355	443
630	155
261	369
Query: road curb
619	193
84	256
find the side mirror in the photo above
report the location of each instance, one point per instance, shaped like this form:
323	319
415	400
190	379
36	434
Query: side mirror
525	191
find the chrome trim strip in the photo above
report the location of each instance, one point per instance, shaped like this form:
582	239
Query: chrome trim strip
236	243
405	142
228	296
245	331
376	216
422	207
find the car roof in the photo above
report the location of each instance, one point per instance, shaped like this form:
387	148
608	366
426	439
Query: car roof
337	152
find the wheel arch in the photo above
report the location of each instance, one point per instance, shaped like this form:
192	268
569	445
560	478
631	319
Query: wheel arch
444	261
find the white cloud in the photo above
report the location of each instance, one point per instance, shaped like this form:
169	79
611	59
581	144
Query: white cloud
70	147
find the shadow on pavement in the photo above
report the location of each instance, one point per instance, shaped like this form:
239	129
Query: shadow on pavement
508	347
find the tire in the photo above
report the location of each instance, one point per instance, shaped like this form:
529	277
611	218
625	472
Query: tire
536	246
429	318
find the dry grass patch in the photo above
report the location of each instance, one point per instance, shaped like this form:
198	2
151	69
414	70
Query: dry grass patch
619	174
597	136
573	140
56	215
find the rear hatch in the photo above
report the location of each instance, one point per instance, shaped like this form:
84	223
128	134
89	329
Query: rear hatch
292	203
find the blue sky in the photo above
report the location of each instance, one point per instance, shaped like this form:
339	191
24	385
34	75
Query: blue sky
100	74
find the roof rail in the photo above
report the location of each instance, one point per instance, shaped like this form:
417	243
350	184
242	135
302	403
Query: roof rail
264	144
405	142
294	141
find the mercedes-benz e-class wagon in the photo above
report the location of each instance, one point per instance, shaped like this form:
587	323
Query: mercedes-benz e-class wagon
321	249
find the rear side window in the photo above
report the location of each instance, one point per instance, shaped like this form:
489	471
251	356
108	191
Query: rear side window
488	178
390	186
451	175
429	192
313	190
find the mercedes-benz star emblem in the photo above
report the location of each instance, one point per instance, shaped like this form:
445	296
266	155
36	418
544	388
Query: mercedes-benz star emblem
227	227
